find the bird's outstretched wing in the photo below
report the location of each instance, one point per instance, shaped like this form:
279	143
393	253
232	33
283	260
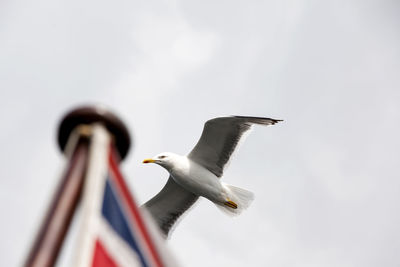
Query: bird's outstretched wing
169	204
219	139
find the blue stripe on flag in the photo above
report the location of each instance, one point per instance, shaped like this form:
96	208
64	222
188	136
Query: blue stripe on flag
114	215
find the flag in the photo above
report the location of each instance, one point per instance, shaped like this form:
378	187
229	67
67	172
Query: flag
114	231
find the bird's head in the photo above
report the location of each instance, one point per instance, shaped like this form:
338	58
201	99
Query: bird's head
165	160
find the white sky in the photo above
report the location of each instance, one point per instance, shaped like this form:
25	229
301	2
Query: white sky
326	180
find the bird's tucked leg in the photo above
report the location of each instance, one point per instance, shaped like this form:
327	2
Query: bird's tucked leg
230	204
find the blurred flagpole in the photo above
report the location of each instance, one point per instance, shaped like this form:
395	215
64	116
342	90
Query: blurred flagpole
114	231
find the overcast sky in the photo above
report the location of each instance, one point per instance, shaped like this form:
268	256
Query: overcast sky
326	180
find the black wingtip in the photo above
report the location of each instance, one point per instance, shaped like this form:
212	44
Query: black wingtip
275	121
259	120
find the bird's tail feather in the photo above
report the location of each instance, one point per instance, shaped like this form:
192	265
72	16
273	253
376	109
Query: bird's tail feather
239	196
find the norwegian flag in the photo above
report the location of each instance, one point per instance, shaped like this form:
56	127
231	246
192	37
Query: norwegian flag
114	231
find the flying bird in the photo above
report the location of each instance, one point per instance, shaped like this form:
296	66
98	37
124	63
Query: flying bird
198	173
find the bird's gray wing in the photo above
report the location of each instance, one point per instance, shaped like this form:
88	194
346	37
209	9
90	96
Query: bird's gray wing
169	204
219	139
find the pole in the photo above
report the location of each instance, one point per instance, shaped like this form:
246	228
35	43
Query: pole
74	140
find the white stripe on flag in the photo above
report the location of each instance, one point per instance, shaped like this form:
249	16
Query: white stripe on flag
92	195
119	249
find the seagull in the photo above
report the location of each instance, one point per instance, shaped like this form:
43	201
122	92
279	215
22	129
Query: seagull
198	173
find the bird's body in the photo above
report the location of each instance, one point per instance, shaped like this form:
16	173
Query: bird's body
198	173
196	179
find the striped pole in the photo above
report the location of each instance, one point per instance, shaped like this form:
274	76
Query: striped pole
74	140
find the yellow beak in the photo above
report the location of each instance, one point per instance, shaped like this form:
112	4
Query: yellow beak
149	161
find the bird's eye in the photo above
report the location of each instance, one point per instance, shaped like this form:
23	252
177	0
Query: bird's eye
161	157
